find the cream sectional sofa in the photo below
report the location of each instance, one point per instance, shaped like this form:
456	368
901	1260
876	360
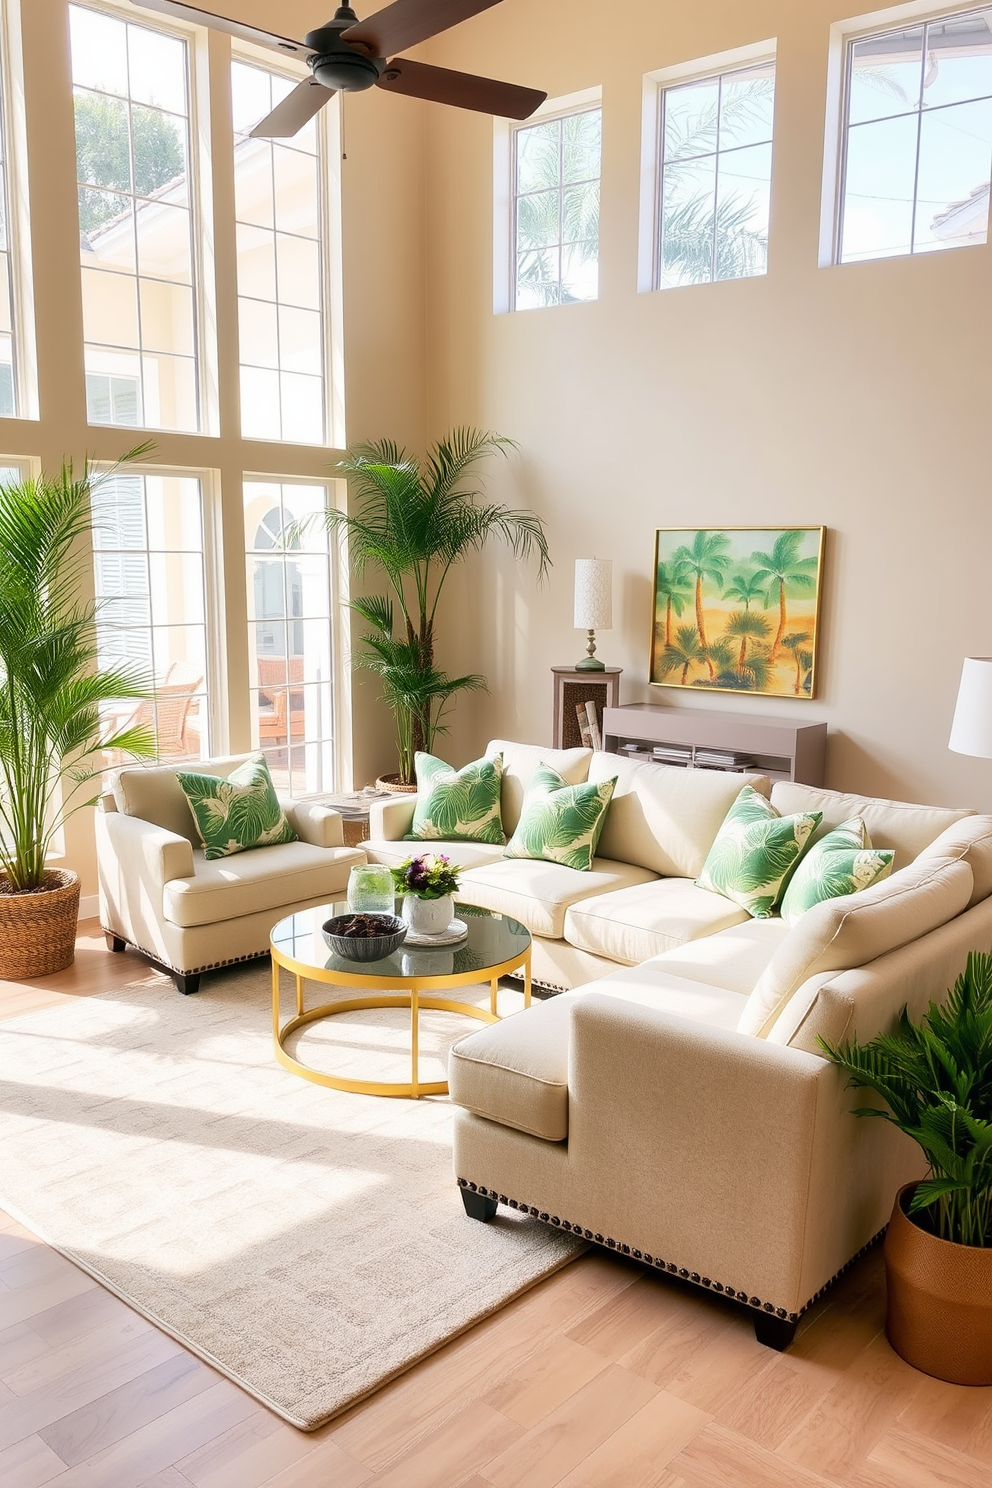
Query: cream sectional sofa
676	1106
159	893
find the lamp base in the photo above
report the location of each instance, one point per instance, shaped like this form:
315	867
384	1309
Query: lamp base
590	664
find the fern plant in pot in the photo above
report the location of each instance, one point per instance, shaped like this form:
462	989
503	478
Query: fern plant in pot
51	689
935	1076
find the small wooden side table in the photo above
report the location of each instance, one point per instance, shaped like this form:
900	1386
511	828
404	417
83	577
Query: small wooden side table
576	688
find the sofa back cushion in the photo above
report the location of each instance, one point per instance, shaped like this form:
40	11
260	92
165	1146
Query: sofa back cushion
857	928
970	840
154	793
519	763
906	828
662	817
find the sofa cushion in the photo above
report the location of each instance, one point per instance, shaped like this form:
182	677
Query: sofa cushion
733	959
754	852
653	985
538	894
262	878
236	813
561	823
851	931
519	763
971	840
458	805
662	817
842	862
906	828
465	854
633	924
154	794
516	1071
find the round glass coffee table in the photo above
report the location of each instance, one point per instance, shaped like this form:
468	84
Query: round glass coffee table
410	978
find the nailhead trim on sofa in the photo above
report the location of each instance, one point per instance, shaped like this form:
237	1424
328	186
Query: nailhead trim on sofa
185	971
667	1266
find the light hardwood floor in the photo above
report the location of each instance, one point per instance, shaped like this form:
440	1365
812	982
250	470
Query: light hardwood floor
600	1377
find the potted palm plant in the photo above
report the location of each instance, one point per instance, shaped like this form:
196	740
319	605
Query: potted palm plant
936	1079
413	521
51	689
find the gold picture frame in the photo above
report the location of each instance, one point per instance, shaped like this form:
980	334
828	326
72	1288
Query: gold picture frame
751	596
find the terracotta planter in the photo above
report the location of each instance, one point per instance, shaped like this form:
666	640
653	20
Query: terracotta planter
38	930
939	1316
393	786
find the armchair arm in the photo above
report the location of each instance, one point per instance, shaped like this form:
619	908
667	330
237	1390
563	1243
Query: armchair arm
389	821
136	850
314	822
733	1157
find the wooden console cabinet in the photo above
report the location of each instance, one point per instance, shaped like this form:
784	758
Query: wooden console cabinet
776	747
574	687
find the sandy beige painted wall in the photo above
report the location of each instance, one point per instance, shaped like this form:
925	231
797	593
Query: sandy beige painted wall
383	321
857	397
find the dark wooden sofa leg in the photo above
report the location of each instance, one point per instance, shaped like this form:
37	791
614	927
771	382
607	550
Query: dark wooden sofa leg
114	942
477	1206
187	984
774	1332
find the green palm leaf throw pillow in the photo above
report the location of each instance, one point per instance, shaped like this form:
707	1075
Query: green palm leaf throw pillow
457	805
240	812
842	862
560	823
754	851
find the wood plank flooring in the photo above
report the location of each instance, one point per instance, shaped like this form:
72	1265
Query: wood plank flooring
602	1376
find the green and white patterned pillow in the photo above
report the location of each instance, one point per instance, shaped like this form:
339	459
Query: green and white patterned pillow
754	852
457	805
842	862
560	823
238	813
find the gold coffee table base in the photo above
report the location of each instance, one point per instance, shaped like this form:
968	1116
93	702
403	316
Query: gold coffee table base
407	994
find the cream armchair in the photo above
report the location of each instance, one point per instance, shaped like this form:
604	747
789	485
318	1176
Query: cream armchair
159	894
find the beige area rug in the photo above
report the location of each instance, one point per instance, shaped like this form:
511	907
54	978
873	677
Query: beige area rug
308	1243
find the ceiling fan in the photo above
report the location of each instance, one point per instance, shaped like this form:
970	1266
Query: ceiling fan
348	55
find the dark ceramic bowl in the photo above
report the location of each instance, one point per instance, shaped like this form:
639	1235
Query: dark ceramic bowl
365	947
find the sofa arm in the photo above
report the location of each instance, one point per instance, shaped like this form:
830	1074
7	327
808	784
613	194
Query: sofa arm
139	852
721	1153
315	823
389	821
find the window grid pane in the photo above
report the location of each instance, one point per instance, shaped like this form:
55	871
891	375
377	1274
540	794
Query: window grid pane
151	595
556	180
290	595
715	178
917	139
280	275
8	365
135	217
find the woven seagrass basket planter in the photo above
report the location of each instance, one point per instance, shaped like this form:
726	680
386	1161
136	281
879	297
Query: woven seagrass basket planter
38	930
939	1313
393	786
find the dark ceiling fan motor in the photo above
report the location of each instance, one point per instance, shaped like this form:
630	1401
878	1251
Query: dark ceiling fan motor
339	64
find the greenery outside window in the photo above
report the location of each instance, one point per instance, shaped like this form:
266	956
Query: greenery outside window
917	139
131	94
290	650
715	151
555	193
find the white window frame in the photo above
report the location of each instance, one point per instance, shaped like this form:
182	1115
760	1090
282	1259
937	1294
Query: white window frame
330	136
654	85
842	34
504	189
206	355
25	348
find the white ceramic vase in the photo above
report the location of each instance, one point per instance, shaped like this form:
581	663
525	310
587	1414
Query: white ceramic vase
428	916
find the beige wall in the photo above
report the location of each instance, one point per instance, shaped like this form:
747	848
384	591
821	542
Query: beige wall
382	313
856	397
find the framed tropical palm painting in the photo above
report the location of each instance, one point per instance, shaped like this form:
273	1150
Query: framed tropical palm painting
736	609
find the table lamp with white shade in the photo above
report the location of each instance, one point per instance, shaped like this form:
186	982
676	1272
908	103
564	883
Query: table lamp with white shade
971	731
593	605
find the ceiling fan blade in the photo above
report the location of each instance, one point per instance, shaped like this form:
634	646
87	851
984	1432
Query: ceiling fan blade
407	22
222	23
460	89
296	109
